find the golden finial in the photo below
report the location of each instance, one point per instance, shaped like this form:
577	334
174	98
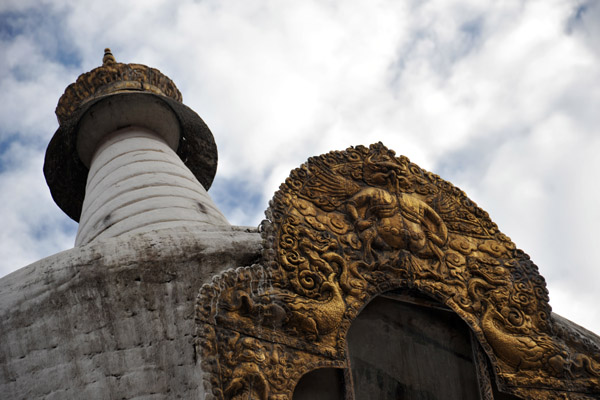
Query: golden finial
108	57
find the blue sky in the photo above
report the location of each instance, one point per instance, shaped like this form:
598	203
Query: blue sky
501	98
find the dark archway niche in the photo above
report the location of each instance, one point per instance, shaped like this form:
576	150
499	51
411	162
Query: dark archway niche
321	384
348	226
399	350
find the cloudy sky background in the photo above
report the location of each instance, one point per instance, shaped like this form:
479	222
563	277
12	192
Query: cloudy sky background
502	98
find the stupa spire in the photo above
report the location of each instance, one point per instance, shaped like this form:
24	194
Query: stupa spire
128	156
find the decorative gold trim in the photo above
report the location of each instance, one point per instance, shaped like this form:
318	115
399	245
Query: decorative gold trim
111	78
347	226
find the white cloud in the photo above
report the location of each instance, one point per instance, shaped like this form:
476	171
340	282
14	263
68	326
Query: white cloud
501	99
32	226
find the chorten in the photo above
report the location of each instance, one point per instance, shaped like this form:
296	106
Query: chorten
129	156
369	278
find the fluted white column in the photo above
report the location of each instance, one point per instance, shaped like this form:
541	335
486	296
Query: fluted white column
137	183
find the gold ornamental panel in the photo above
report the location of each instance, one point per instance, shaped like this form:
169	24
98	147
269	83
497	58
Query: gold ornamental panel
349	225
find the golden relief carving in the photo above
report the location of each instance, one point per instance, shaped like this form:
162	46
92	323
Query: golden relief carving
347	226
110	78
238	366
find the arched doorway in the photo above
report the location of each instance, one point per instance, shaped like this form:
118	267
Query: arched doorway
404	345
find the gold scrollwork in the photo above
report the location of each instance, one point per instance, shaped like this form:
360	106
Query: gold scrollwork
349	225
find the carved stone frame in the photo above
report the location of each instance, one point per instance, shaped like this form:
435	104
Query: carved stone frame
348	226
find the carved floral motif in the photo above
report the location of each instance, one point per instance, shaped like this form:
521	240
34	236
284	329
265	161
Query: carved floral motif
349	225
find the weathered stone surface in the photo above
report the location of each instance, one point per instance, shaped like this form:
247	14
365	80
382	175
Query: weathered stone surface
115	319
